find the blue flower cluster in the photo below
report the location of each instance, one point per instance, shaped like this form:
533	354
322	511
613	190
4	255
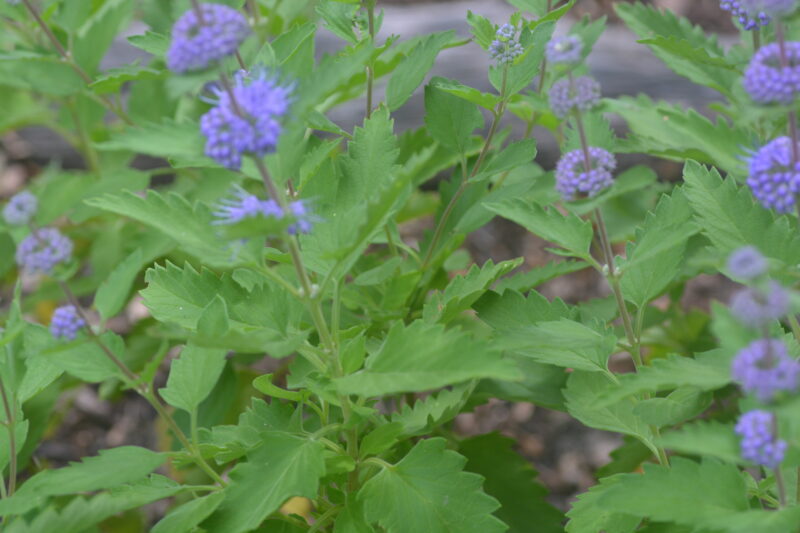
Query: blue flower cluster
250	123
20	209
765	369
756	308
66	322
565	50
568	94
573	180
759	443
506	47
199	42
750	19
43	250
747	263
246	205
774	176
771	78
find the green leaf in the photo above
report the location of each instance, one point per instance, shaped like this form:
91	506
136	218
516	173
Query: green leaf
730	217
425	356
351	518
567	231
214	320
563	343
582	394
511	310
264	319
482	29
680	45
339	19
411	72
689	493
763	521
526	281
151	42
96	35
42	74
450	120
368	177
654	261
380	439
487	101
587	514
429	491
81	358
680	405
113	79
282	467
668	130
705	439
707	371
187	517
82	514
111	468
434	411
511	480
112	295
463	291
168	139
189	226
192	376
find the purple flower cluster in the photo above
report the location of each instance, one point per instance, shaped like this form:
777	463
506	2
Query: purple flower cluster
506	48
759	443
756	308
20	209
43	250
66	322
765	369
574	180
769	80
246	205
198	42
248	124
749	18
568	49
747	263
774	177
582	93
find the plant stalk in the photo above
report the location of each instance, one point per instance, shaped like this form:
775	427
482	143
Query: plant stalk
11	425
496	118
143	389
370	68
67	58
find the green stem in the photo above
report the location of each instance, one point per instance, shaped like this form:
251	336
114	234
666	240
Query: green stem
370	67
323	520
141	388
271	274
67	58
497	116
11	425
89	153
781	487
153	400
613	281
390	241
